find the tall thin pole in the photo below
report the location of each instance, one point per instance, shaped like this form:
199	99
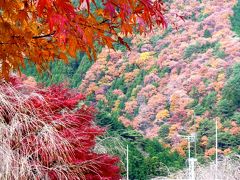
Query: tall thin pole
216	144
191	161
189	155
127	164
195	136
189	147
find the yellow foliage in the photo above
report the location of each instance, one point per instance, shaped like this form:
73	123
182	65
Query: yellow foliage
218	86
214	63
104	80
163	114
174	102
221	77
134	91
146	55
116	105
173	129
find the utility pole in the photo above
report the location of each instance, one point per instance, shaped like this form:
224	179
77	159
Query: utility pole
216	145
192	168
127	164
189	156
191	161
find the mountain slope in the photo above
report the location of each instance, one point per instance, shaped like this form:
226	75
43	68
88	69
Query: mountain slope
171	82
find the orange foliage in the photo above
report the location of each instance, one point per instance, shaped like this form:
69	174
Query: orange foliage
180	150
173	129
204	141
130	106
227	151
235	130
212	151
46	29
92	88
131	75
183	143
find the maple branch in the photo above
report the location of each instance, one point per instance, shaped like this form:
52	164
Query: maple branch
45	35
2	43
34	37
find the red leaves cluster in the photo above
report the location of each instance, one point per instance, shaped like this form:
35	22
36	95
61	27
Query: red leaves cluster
55	135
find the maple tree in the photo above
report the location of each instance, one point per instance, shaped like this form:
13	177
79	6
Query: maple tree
46	135
47	29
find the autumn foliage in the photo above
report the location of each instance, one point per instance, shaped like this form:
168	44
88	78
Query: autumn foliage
47	134
164	95
46	29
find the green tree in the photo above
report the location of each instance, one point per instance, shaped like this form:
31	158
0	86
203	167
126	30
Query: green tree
226	108
164	130
207	34
59	72
235	19
231	90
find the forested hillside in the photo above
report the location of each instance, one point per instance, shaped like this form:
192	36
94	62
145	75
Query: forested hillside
173	82
178	81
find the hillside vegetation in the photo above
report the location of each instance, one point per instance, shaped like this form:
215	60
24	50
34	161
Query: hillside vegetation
173	82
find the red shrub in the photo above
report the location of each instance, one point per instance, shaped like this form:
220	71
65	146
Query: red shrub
47	133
